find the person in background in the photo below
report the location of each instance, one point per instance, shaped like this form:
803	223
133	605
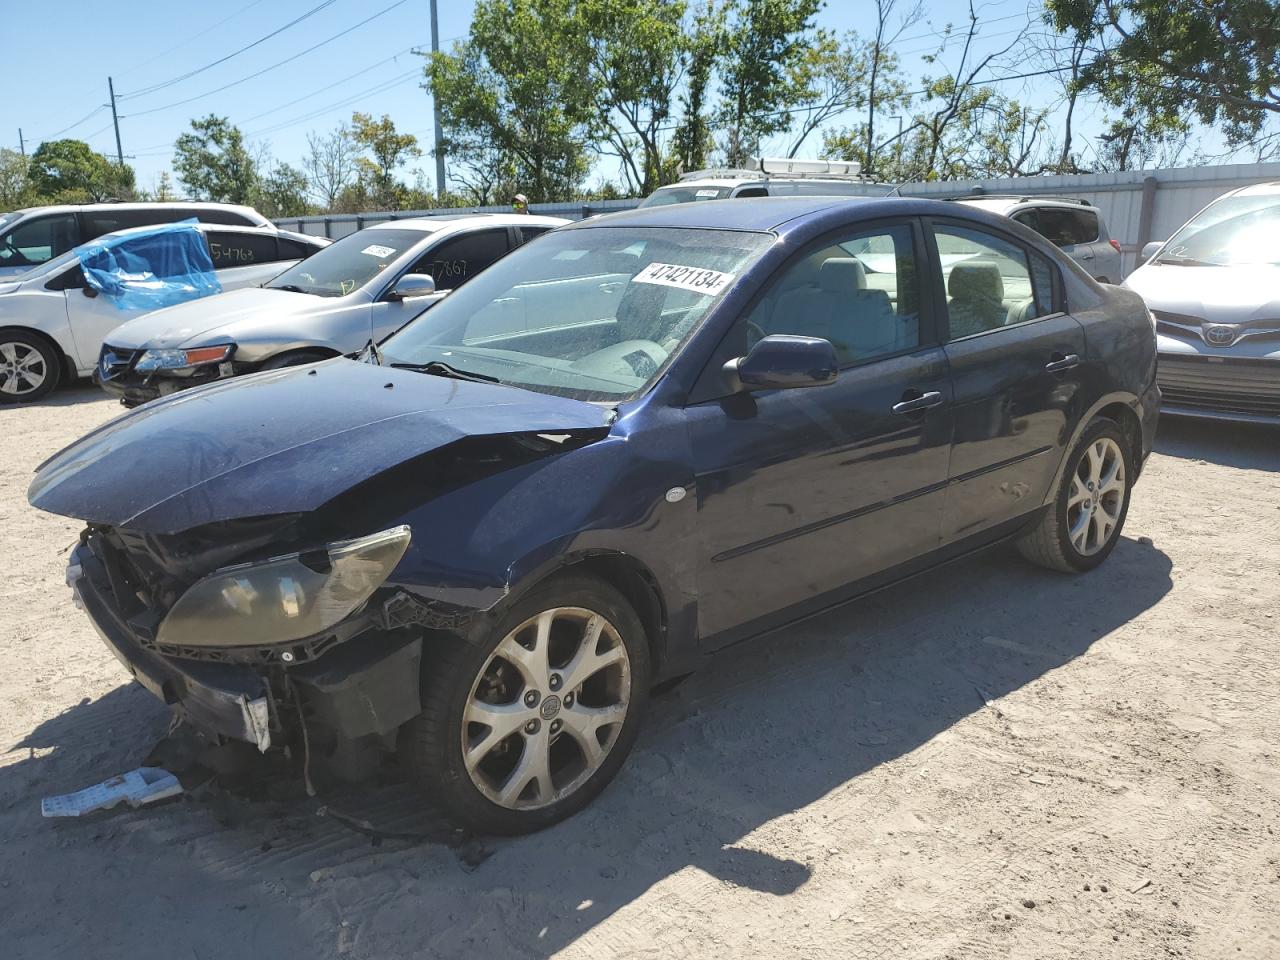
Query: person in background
520	203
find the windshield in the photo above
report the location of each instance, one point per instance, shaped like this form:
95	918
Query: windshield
690	194
592	313
349	263
1235	230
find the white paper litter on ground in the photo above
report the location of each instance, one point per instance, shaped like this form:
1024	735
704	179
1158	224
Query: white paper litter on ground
137	787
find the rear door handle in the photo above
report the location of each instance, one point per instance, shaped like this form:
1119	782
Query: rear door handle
922	402
1060	363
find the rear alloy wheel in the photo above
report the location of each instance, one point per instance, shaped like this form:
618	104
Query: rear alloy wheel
1084	524
524	731
28	367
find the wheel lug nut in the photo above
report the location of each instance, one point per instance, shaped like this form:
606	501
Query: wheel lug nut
555	681
568	699
531	726
531	698
555	726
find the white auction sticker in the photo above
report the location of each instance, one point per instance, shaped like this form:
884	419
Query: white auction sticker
696	279
374	250
707	194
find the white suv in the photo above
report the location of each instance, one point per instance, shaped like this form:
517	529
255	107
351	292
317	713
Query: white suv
765	177
1074	226
31	237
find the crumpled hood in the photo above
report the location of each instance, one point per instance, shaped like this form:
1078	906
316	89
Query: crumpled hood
1216	294
175	326
284	441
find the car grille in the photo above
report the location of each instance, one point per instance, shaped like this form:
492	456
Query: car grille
1230	386
114	361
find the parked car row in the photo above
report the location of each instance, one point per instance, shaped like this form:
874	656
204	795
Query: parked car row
627	444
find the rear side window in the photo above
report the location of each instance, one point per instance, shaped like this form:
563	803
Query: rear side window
1064	227
455	260
1086	225
98	222
241	249
753	192
989	281
38	240
528	233
291	249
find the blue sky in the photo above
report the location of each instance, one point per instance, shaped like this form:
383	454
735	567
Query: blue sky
361	61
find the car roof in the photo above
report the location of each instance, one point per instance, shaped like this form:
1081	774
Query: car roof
754	213
463	220
143	205
1259	189
1001	204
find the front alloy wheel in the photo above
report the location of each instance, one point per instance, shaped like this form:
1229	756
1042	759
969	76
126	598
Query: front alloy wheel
546	708
524	730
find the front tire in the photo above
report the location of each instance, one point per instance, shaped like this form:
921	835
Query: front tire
526	728
1083	525
29	367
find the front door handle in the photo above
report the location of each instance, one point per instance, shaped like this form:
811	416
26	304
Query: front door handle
1060	363
921	401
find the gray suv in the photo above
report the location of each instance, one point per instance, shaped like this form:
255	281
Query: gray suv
1074	226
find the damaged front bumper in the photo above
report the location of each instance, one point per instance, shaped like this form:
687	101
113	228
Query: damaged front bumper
368	685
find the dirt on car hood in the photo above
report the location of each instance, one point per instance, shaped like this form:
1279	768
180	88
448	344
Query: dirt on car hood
285	441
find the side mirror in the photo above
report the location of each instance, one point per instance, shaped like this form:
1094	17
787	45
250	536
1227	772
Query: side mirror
781	362
1150	249
412	285
89	291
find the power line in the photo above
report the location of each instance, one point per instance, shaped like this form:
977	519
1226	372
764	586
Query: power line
87	117
336	83
268	69
235	53
379	88
195	36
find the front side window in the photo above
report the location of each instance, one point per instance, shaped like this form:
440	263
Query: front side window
861	293
37	240
1233	231
457	259
988	280
591	313
348	264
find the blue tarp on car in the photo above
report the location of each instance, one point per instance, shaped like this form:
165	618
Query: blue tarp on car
152	268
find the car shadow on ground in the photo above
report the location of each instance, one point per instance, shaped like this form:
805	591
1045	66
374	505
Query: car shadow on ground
765	729
1249	446
72	394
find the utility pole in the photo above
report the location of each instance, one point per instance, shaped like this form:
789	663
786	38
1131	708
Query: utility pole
435	107
115	120
22	144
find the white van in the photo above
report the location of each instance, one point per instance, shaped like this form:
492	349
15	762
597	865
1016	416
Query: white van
766	177
36	235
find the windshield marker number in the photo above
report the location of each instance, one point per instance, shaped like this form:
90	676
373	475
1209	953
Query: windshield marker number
710	282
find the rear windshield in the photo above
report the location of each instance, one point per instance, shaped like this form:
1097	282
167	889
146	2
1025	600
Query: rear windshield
350	263
690	194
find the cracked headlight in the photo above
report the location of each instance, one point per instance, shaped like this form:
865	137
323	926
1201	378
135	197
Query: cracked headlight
181	359
285	598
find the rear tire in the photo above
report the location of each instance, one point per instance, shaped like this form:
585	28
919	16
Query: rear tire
30	367
1083	525
526	728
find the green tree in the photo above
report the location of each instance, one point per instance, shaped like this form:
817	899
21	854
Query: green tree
388	151
1160	60
637	52
764	42
213	163
692	140
68	171
515	99
283	192
15	187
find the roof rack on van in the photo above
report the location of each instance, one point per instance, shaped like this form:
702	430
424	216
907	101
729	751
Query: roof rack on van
979	194
786	167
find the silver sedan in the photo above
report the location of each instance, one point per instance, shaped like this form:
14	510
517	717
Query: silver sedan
361	288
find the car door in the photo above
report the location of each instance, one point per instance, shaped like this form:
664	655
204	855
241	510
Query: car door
803	492
1014	356
90	315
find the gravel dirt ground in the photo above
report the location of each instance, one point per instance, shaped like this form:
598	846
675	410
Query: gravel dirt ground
994	761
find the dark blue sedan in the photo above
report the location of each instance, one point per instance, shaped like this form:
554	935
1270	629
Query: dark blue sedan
632	442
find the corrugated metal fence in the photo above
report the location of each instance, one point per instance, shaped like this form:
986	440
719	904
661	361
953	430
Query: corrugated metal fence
1138	205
